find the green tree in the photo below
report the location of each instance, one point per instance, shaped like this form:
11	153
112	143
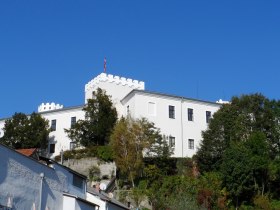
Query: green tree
100	119
129	140
245	168
22	131
235	122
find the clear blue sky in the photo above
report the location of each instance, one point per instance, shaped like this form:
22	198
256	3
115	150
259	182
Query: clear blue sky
200	49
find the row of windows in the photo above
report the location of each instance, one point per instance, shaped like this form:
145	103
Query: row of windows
190	114
53	123
171	141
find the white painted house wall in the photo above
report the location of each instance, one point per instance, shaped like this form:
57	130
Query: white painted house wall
139	103
24	182
63	120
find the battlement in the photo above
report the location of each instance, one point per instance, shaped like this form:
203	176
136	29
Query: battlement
121	81
49	106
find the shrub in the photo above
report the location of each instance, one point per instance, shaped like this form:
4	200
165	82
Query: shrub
94	173
102	152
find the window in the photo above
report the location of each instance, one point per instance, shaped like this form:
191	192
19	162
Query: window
52	148
172	112
171	141
191	144
53	125
190	114
73	121
152	108
208	116
78	181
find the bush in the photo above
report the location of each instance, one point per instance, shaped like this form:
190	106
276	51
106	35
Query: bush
94	173
104	153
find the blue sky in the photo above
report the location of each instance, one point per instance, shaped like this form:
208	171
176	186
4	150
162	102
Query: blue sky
200	49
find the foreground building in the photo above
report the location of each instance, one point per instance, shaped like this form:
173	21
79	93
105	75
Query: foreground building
30	182
180	119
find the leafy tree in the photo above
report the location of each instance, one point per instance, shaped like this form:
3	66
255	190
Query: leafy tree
235	122
129	140
245	168
22	131
100	119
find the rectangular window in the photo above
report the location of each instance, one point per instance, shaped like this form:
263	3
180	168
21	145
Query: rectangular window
52	148
172	112
208	116
190	114
191	143
73	121
53	125
171	141
152	108
78	181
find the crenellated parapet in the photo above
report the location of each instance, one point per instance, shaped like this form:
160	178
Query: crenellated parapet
120	81
49	106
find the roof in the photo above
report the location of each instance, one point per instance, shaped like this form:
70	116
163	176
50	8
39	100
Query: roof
80	199
105	197
27	152
51	111
168	95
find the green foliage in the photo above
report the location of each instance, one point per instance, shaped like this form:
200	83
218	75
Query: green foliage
105	153
235	122
94	173
102	152
22	131
100	119
129	140
262	202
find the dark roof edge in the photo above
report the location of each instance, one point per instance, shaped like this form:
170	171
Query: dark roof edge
168	95
81	199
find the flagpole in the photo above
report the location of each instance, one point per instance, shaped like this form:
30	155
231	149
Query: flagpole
105	62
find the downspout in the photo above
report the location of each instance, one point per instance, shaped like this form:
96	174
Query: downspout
182	132
41	190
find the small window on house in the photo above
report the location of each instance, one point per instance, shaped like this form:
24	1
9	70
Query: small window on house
73	121
190	114
53	125
172	112
52	148
191	144
208	116
171	141
151	108
78	181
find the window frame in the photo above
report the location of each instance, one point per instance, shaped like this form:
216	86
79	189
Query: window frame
208	116
171	112
191	144
53	125
190	114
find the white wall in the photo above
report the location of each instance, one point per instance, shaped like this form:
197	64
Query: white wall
180	127
63	120
115	86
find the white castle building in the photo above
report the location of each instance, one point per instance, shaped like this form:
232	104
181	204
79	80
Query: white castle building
181	120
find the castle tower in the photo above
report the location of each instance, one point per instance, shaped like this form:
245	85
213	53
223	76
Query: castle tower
115	86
